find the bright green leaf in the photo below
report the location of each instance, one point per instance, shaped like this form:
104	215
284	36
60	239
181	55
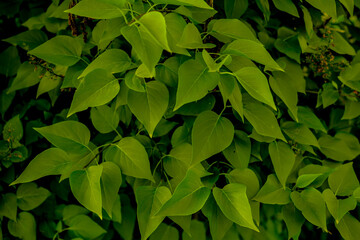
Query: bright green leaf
98	9
343	180
273	192
338	207
30	196
104	118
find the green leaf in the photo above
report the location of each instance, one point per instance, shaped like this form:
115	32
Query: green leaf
24	227
247	177
112	60
312	205
341	46
349	227
343	146
329	95
264	8
132	158
283	160
235	8
338	207
352	110
191	38
299	133
293	73
195	81
195	14
273	192
288	43
256	84
236	100
252	50
70	136
26	77
134	82
98	88
211	134
149	201
312	175
143	44
150	106
349	5
106	31
307	117
9	61
238	153
218	223
8	206
70	211
261	118
59	50
98	9
286	92
153	23
104	118
233	202
227	30
189	197
293	220
343	180
286	6
13	130
198	231
126	228
175	26
164	232
85	185
110	182
30	196
28	40
83	226
350	76
191	3
52	161
327	6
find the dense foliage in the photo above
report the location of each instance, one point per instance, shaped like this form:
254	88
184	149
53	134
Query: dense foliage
180	119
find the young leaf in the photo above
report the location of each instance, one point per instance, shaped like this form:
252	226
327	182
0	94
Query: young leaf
149	106
149	201
153	23
112	60
85	185
343	180
256	84
252	50
233	202
30	196
24	227
211	134
189	197
312	205
98	88
110	182
283	160
70	136
194	82
59	50
132	158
